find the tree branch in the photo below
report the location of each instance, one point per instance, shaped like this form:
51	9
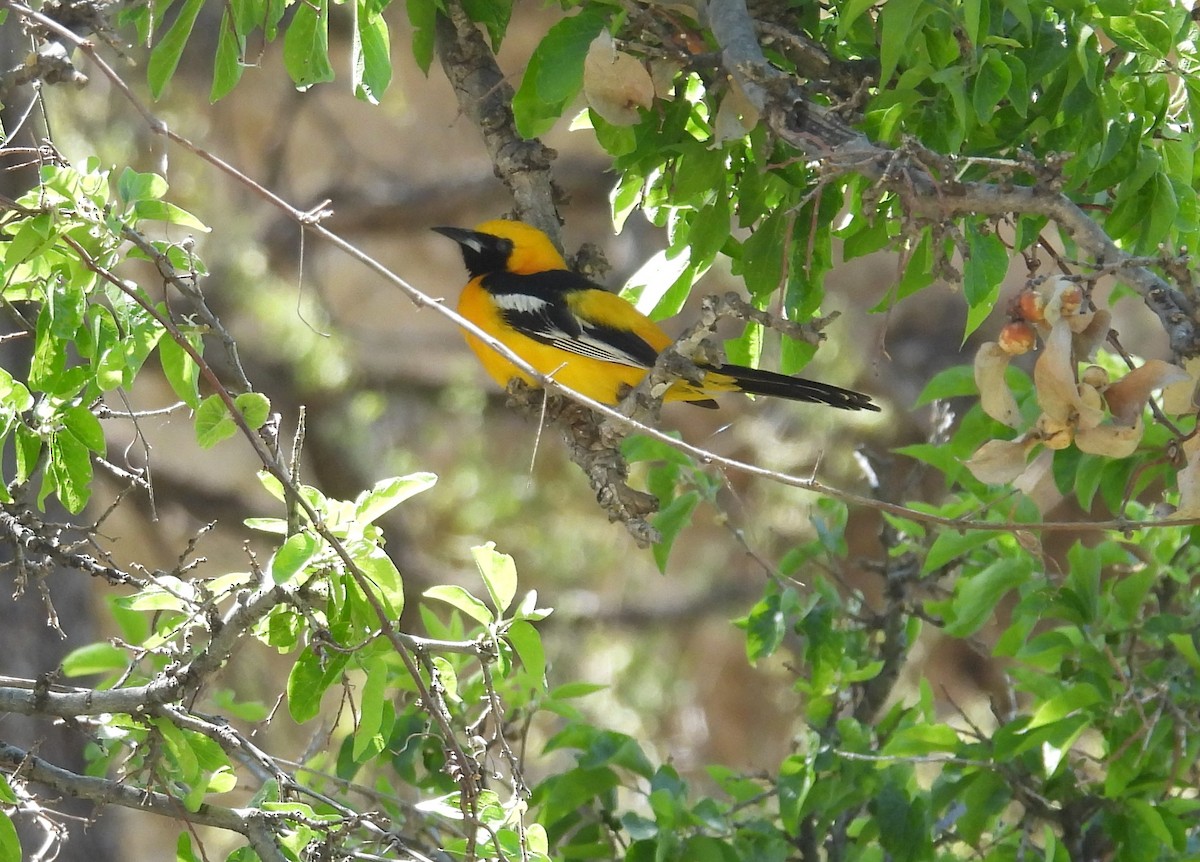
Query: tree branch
819	133
252	823
485	97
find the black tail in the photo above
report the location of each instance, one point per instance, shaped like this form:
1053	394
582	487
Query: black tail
758	382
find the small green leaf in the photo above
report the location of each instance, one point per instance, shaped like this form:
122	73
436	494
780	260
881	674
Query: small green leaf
528	645
1185	645
949	545
382	572
69	472
499	574
765	627
371	706
984	269
422	15
292	556
133	186
1065	703
389	493
991	85
977	595
897	21
457	597
310	677
255	408
181	371
229	62
85	427
306	45
669	522
165	57
213	422
10	842
922	739
1141	33
94	658
554	74
370	56
152	210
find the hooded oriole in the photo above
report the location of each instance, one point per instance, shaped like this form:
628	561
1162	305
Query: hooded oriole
583	336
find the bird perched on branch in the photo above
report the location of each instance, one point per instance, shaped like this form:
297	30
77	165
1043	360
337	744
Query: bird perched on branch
583	336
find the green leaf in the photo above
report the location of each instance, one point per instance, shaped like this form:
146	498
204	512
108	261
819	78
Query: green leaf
1141	33
494	15
499	574
382	572
422	15
213	422
254	407
85	427
949	545
1075	698
977	595
164	211
387	494
903	823
10	843
669	521
762	257
94	658
292	556
370	54
134	186
371	707
183	849
922	739
984	269
33	237
306	45
991	85
554	74
1185	645
765	627
229	61
457	597
897	21
69	472
165	57
849	12
14	395
1163	209
528	645
181	371
310	677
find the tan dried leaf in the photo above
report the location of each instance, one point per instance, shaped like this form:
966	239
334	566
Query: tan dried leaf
735	117
615	84
1179	399
1110	441
1188	480
1091	413
1054	375
995	397
1055	433
1037	482
1090	337
662	75
998	462
1127	397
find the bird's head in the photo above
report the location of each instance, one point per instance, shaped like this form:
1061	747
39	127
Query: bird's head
500	245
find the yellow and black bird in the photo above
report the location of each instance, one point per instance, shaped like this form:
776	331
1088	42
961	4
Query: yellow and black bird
585	337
